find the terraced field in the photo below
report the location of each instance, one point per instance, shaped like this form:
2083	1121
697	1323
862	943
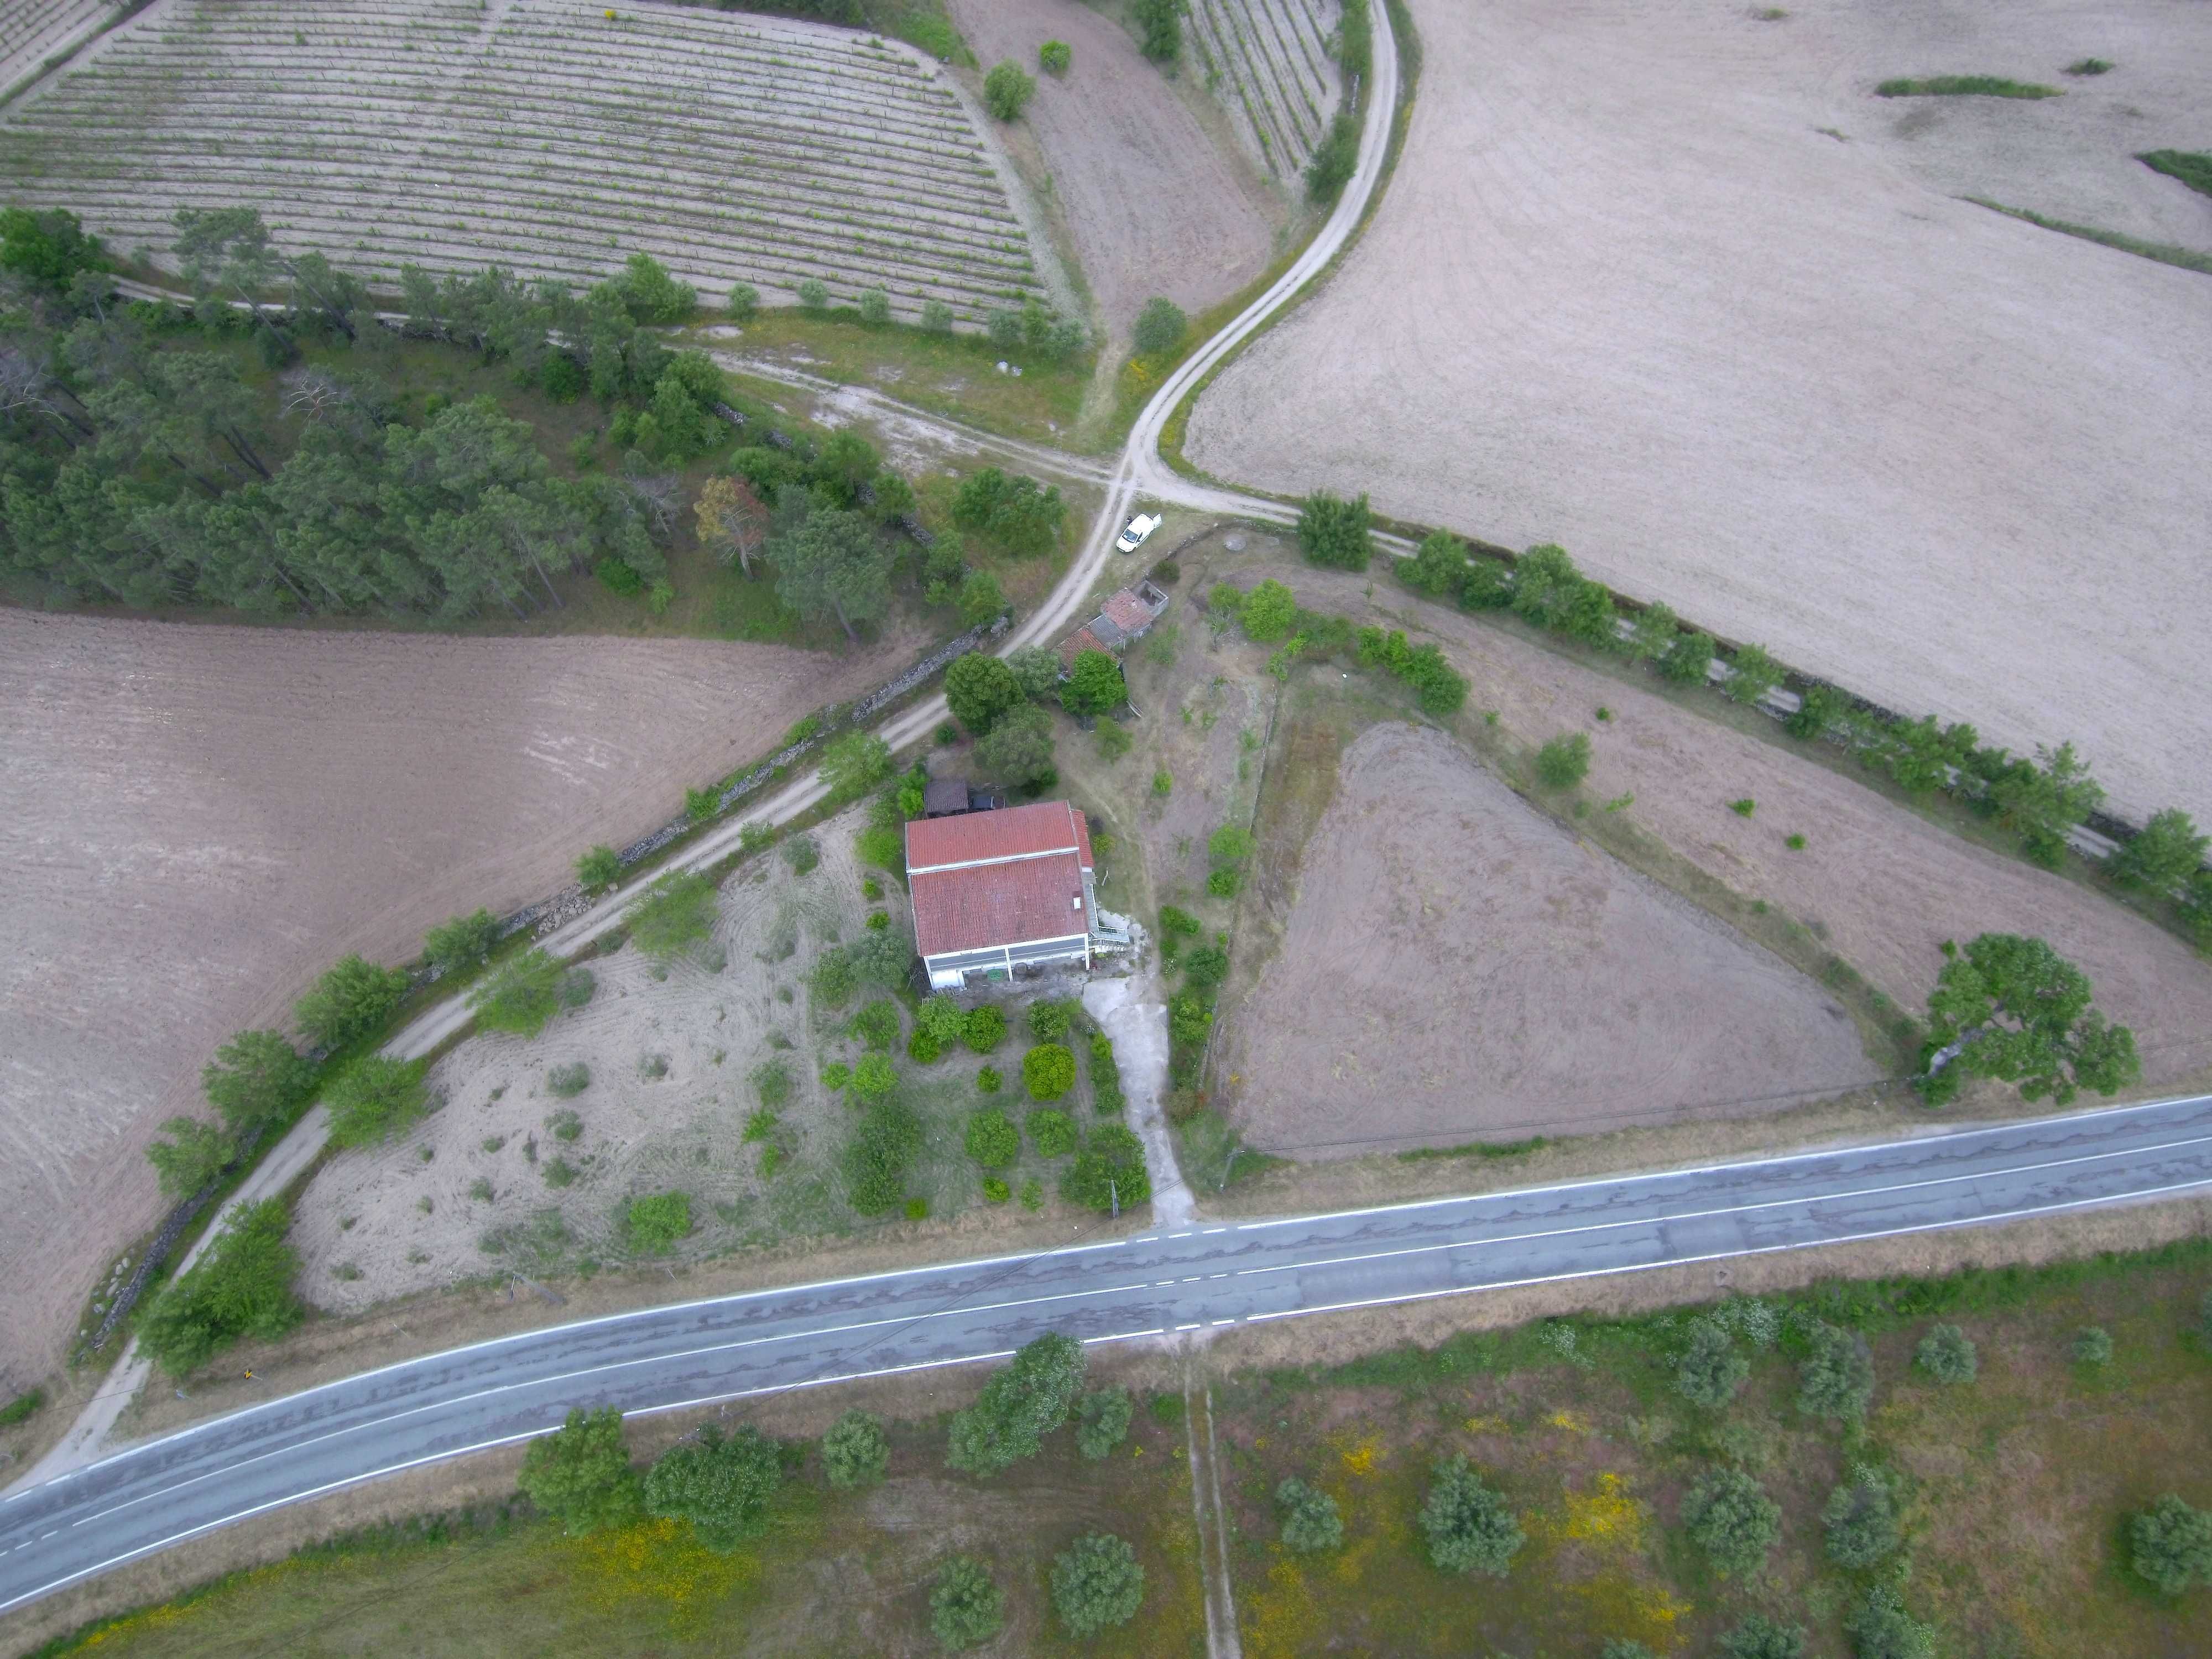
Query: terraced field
33	30
1265	61
548	136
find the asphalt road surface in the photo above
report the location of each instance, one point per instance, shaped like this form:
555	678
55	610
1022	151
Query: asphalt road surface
1108	1289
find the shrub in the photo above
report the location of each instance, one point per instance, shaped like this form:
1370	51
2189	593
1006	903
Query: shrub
372	1099
2092	1345
983	1029
1882	1629
580	1474
996	1191
520	997
856	1452
936	317
1007	90
1470	1528
676	913
875	1159
655	1223
1109	1171
576	988
1230	844
1267	612
1564	762
1173	922
855	764
242	1286
566	1126
1048	1071
700	805
1946	1354
1743	808
965	1608
1162	782
1835	1376
1710	1371
1333	532
566	1082
1097	1584
1335	159
1310	1520
1188	1020
1054	56
878	1024
722	1486
21	1409
2089	66
744	303
1730	1517
2162	856
1759	1638
1963	86
349	1002
1224	882
455	946
988	1081
1206	966
993	1141
980	598
2169	1545
1054	1132
1859	1521
771	1081
1160	327
1795	843
874	1077
875	307
836	1075
814	294
1101	1422
1050	1019
1019	749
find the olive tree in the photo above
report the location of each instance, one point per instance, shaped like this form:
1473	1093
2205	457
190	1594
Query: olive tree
1710	1371
856	1452
1311	1521
1947	1354
1730	1517
1097	1584
1859	1521
965	1608
1470	1527
1835	1379
2169	1545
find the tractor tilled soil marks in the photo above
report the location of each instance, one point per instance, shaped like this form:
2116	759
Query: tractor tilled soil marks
1622	294
199	819
1154	208
551	136
1457	968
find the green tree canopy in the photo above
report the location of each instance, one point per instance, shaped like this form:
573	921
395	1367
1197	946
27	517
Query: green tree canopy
1880	1628
1470	1527
1311	1521
1019	749
2169	1545
1007	90
1093	686
455	946
2164	856
983	1029
993	1141
1268	612
1711	1370
190	1153
349	1002
1110	1169
255	1079
675	914
372	1099
1333	532
1036	668
2043	802
1159	25
1835	1378
723	1486
1729	1516
856	1452
580	1474
1760	1637
48	248
1160	327
520	997
1947	1354
1859	1521
830	561
855	764
1102	1418
1097	1584
242	1286
1438	565
978	689
965	1608
1018	1407
2012	1008
1048	1071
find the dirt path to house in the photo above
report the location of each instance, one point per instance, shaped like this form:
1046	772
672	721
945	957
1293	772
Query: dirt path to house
199	819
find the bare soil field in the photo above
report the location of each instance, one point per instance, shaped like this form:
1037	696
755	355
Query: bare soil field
197	819
1878	884
1457	967
1624	293
1153	205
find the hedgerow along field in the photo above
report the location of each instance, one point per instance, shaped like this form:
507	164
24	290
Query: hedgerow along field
551	136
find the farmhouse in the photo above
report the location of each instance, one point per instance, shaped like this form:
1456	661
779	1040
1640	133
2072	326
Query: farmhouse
995	891
1126	617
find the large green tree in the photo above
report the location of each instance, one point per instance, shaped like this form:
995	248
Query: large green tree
1097	1584
255	1079
723	1486
1018	1407
1333	532
2012	1008
242	1286
1469	1525
581	1474
349	1002
1019	749
978	689
190	1153
2164	856
375	1098
1094	684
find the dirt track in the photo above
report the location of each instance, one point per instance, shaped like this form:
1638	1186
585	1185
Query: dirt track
1152	205
1624	294
1459	967
197	819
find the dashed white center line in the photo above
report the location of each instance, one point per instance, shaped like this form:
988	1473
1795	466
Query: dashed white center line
1190	1328
1210	1231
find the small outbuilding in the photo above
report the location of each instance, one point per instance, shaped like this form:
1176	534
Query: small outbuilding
996	891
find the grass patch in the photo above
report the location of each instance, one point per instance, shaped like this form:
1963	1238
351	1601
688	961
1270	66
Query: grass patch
1964	85
2192	167
2167	254
1485	1148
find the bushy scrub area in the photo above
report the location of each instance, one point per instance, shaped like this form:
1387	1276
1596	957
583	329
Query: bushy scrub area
737	149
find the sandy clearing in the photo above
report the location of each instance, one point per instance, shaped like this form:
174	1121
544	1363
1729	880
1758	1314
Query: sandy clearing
1457	967
1152	205
1882	886
199	818
1622	294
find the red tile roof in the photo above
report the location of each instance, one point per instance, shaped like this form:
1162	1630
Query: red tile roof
1076	644
1014	876
1128	612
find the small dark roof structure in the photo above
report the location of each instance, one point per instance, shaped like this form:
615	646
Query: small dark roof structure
941	798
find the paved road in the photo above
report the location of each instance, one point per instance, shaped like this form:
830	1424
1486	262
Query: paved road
1138	471
1108	1289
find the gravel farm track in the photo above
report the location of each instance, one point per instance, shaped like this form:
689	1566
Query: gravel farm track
1672	288
197	819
